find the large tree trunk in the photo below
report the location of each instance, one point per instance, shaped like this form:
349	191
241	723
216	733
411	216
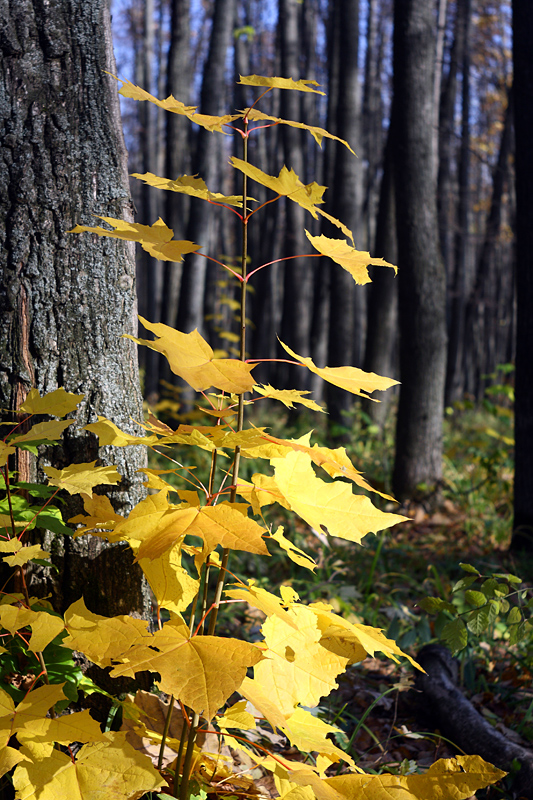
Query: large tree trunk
523	115
421	279
66	300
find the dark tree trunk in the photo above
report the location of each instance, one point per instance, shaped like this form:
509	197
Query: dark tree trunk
178	130
346	300
201	221
298	274
421	279
456	327
66	300
523	117
382	313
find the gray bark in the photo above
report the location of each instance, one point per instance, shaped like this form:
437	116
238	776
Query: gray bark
421	277
66	300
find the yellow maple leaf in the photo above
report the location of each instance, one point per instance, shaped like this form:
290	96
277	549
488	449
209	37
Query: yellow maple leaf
44	431
190	357
82	478
287	184
288	397
109	434
5	452
262	701
203	671
280	83
318	134
26	554
100	514
296	668
353	261
191	185
77	727
9	757
171	584
329	507
351	379
262	599
310	735
336	462
57	403
262	491
236	717
296	555
224	524
110	769
101	639
449	778
44	626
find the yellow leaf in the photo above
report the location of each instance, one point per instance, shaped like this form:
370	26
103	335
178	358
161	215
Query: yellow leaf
349	378
236	717
26	554
171	584
261	492
288	397
128	89
36	704
203	671
77	727
279	83
82	478
100	515
265	601
353	261
309	734
45	627
447	779
109	434
294	553
101	639
156	239
10	545
254	115
296	668
335	462
287	184
9	757
109	769
329	507
223	524
44	431
57	403
5	452
190	357
261	700
337	223
191	185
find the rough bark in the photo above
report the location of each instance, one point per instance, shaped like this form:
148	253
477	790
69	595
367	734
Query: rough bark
421	278
523	118
457	719
66	300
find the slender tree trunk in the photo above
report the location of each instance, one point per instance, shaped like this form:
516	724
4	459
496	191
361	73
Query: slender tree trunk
192	296
382	314
421	279
523	119
456	328
177	134
298	274
66	300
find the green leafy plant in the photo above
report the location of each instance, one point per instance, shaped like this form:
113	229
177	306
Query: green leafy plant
183	546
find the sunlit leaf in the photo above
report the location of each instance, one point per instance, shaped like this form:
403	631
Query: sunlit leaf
57	403
171	584
294	553
191	185
349	378
44	626
26	554
5	452
279	83
288	397
329	507
82	478
190	357
254	115
310	735
353	261
237	717
109	434
42	432
262	599
287	184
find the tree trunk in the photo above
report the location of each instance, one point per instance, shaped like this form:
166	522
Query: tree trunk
421	278
201	221
523	117
66	300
